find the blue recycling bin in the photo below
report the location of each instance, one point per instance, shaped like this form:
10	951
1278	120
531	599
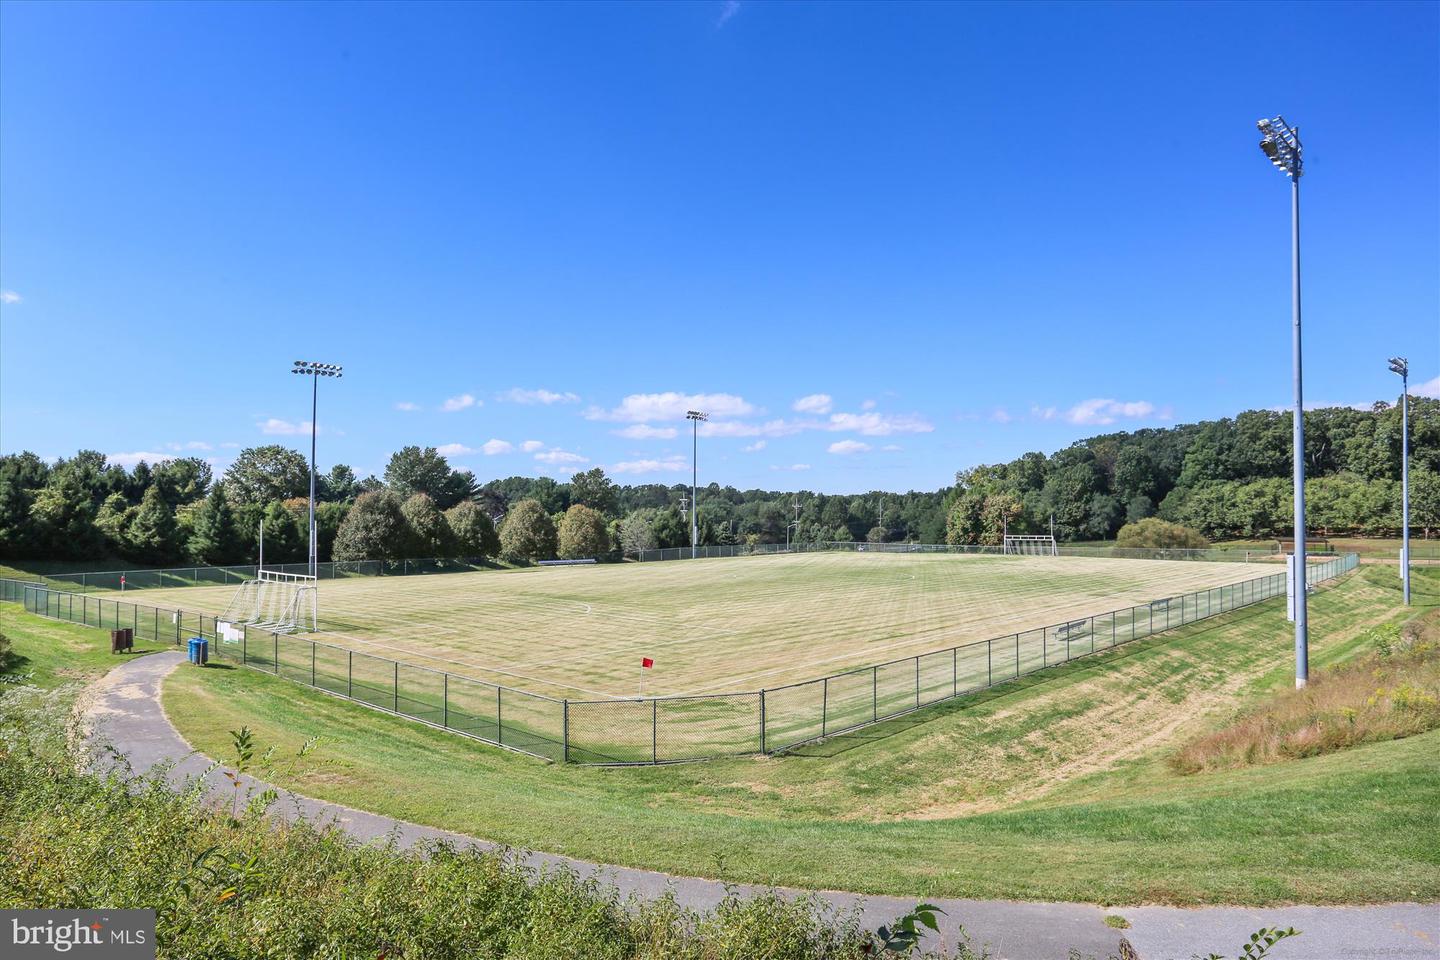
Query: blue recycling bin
199	651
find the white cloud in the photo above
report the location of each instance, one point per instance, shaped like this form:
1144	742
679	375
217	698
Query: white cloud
1042	413
879	424
407	406
453	450
530	446
644	407
868	405
459	403
10	296
728	9
1100	412
1001	415
753	447
1430	388
492	447
643	431
547	397
230	445
130	459
815	403
190	445
669	464
794	466
847	447
556	457
284	428
892	448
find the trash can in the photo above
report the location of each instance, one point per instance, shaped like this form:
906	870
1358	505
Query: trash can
199	651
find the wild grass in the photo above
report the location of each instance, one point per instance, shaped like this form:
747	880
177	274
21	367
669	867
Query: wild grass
249	886
1389	693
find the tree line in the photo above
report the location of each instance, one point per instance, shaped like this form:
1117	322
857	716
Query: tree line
1225	478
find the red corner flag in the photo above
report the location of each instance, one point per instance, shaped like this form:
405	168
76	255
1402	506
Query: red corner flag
646	663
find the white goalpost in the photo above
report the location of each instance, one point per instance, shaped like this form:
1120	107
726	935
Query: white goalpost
1042	545
274	601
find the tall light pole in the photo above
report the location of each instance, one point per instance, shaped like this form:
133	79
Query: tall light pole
1402	366
314	371
694	416
1281	143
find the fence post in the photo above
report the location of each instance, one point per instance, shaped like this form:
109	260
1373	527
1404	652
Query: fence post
499	728
954	672
762	719
654	730
244	642
1092	634
874	693
312	663
917	680
178	618
824	705
397	686
1017	656
564	728
350	677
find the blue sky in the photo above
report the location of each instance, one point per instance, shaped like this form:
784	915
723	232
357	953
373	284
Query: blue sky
878	242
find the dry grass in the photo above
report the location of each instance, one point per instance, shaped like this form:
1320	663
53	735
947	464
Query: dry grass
717	625
1389	693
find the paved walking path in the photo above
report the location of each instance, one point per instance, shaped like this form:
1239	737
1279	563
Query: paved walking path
125	710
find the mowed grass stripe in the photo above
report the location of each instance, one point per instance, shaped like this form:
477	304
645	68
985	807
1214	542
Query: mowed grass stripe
718	625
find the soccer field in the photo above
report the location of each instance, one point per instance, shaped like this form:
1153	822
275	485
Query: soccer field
715	626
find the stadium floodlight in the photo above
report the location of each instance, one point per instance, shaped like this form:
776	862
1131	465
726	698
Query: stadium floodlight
315	371
1281	143
694	416
1401	366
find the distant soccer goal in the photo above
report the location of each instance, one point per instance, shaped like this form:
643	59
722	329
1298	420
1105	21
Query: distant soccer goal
275	601
1032	546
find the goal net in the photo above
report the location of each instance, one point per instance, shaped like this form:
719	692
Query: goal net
274	601
1032	546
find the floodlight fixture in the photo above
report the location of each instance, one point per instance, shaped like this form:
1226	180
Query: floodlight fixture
1401	366
1281	143
315	371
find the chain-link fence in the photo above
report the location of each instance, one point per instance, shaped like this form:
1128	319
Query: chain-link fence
653	730
850	546
193	576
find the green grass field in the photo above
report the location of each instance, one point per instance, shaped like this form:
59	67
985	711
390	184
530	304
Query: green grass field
716	625
1055	786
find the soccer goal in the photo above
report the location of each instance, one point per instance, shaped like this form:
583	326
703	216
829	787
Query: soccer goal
1032	546
274	601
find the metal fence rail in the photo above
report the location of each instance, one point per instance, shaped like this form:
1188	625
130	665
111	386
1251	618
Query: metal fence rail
654	730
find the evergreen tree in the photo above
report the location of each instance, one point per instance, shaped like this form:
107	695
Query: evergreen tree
153	535
216	538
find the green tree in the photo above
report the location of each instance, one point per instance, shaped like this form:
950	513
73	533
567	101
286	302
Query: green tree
374	529
338	484
113	521
153	535
215	539
583	534
286	540
473	530
21	475
182	481
415	470
64	519
593	489
527	533
637	532
429	532
1154	533
266	474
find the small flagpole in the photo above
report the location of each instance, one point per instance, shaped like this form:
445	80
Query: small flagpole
642	676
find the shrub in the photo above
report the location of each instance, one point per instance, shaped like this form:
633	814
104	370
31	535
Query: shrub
374	529
1154	533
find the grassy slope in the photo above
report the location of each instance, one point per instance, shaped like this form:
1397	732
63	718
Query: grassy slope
1052	788
48	652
